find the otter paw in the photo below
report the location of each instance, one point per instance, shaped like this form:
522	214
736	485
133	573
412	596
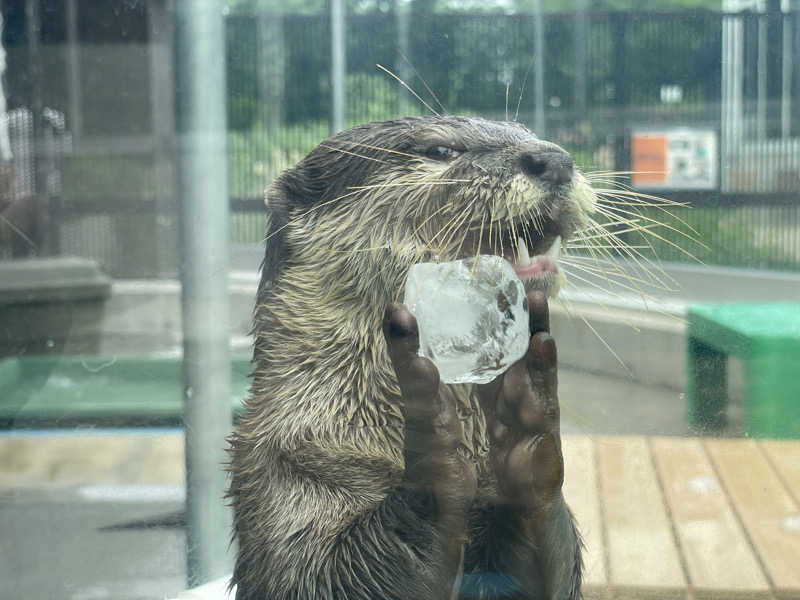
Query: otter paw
522	414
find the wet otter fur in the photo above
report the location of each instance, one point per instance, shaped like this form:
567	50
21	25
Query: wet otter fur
317	458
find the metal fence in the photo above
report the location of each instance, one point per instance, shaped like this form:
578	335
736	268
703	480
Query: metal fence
603	73
605	77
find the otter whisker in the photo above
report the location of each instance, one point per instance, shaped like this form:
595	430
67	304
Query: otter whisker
641	261
601	304
445	232
522	89
405	85
607	232
294	219
508	86
622	173
645	297
382	149
631	278
500	237
624	197
466	234
513	227
453	223
613	212
19	232
343	151
491	221
595	257
431	216
627	195
408	184
631	252
607	346
621	199
480	235
602	264
357	250
425	83
588	246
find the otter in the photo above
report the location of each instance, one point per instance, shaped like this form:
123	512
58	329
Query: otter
355	473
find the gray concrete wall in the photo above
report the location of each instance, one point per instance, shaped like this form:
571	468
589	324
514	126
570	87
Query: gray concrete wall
624	335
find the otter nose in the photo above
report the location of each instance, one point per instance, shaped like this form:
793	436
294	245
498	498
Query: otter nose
553	167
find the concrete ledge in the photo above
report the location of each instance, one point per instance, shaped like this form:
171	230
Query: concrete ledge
213	590
644	346
47	280
51	305
640	337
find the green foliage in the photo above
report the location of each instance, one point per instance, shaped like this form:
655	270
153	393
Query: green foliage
257	156
308	7
748	236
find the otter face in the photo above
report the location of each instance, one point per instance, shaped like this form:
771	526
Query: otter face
393	193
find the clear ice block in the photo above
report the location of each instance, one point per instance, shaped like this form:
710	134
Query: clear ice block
472	316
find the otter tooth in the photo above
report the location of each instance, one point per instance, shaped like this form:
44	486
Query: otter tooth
523	258
555	249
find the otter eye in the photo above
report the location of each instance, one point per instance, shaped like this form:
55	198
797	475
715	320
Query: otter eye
442	153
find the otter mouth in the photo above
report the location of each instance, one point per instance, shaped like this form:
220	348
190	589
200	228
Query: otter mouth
533	254
537	266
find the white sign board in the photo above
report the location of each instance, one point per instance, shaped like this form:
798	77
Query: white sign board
676	159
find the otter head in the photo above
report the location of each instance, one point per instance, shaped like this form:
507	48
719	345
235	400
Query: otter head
369	202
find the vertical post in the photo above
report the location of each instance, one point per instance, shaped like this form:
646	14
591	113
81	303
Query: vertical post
271	69
402	14
338	66
205	224
41	221
162	108
732	89
761	101
621	150
787	67
580	41
539	122
74	71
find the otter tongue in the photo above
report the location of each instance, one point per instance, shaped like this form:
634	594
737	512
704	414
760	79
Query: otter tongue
527	267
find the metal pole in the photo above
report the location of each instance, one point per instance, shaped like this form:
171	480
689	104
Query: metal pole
42	217
162	108
205	223
402	13
787	68
761	102
338	66
580	41
74	71
732	90
538	78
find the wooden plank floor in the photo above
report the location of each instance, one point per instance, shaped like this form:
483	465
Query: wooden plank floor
660	517
686	517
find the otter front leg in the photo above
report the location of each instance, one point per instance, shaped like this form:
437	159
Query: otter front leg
526	545
436	475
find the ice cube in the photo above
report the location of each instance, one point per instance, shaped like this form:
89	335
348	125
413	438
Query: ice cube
472	316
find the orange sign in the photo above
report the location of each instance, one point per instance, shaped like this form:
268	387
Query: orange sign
649	160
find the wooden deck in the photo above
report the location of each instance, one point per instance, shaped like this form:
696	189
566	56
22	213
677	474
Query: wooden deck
686	518
661	517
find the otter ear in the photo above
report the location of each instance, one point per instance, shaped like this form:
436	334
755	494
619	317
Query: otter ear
275	253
